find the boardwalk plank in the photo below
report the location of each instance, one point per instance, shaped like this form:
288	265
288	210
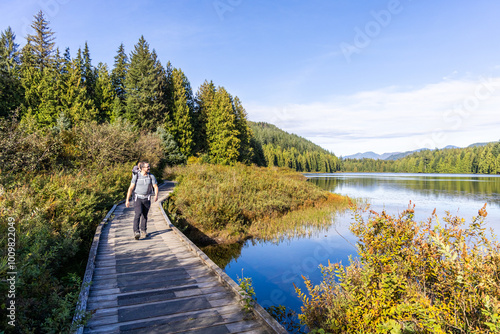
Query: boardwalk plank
159	284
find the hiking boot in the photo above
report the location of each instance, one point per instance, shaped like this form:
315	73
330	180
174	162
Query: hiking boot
137	235
143	234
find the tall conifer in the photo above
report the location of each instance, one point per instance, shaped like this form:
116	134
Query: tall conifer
88	73
119	72
222	134
244	131
203	102
76	104
39	74
42	41
118	75
11	93
181	115
144	85
104	93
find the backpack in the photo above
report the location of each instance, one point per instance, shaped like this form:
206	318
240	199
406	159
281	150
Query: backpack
135	170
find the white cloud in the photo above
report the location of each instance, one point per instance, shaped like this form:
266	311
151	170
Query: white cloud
451	112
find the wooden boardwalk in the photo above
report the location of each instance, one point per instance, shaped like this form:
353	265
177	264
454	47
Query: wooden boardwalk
161	284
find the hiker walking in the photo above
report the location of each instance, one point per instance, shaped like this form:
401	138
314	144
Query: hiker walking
144	183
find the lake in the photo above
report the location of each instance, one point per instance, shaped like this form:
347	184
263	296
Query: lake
274	267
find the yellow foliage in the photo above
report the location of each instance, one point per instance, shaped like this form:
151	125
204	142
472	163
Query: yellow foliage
411	277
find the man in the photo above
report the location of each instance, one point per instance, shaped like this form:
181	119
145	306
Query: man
144	183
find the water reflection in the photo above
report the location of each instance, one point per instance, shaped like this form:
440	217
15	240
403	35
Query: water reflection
462	195
431	184
222	255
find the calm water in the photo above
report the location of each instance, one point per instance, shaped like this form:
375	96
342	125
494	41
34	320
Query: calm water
275	267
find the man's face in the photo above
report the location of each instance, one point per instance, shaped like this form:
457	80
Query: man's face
146	168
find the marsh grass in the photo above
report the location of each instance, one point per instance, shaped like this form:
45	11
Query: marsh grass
231	203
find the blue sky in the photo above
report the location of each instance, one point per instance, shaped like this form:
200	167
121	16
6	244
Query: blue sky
349	75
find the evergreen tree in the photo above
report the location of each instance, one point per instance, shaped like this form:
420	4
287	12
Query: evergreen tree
172	155
245	133
182	112
104	93
39	75
30	78
76	104
88	73
203	102
118	75
11	93
42	42
222	134
65	65
145	86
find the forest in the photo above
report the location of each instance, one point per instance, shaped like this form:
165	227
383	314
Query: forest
483	159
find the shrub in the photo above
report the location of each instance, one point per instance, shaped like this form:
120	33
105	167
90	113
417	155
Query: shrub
55	218
106	144
23	150
427	277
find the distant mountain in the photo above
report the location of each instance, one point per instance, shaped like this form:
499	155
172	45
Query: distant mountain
478	144
366	155
373	155
394	155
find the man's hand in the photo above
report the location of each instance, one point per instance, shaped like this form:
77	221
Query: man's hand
127	204
156	198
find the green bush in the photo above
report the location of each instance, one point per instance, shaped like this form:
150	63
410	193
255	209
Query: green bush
428	277
55	218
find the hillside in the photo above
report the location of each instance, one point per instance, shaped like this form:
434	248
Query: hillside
275	147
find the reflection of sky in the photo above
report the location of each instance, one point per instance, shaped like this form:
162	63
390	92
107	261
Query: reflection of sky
393	192
275	267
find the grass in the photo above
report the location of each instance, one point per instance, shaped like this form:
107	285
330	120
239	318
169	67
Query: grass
231	203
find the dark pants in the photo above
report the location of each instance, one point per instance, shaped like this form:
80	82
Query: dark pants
141	209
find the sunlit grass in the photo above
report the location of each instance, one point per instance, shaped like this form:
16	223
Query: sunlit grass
234	203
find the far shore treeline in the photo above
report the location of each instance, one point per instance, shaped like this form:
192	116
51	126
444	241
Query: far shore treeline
484	159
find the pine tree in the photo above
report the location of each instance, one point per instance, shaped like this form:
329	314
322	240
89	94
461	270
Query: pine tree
245	133
145	85
30	79
172	155
76	104
118	75
39	75
88	73
203	102
222	134
119	72
11	93
104	93
42	41
182	112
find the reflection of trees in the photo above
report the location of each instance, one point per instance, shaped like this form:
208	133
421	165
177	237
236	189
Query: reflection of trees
223	254
461	187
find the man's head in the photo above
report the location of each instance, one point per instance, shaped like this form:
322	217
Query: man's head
144	166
